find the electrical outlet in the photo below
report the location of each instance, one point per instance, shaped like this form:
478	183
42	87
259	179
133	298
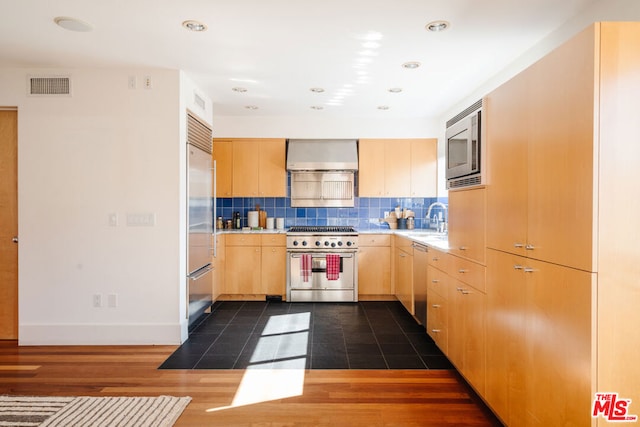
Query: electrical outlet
112	300
113	219
146	82
97	300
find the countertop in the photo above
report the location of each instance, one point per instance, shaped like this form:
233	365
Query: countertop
421	236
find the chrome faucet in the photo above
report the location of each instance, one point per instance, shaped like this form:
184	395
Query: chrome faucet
441	226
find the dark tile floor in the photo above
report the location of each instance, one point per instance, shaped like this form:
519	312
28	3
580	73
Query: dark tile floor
255	334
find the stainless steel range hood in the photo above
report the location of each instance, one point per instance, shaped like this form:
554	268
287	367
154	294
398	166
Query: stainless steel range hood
322	172
322	155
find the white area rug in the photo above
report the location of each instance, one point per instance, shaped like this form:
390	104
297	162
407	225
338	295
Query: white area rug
25	411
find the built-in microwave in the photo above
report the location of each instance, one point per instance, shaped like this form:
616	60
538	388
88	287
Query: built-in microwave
463	148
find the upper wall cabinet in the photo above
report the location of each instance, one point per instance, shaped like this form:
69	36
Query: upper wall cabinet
250	167
397	167
540	154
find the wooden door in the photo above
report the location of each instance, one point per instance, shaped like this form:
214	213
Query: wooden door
467	214
507	365
474	353
424	167
8	225
507	134
223	156
246	166
273	175
242	271
558	332
374	270
274	269
561	154
371	167
404	279
397	168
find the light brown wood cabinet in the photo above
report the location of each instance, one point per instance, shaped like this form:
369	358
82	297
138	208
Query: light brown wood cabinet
274	264
562	280
242	264
397	167
539	316
540	149
250	167
438	283
374	264
254	265
467	218
403	259
223	156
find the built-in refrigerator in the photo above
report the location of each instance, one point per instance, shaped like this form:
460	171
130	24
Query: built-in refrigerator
200	197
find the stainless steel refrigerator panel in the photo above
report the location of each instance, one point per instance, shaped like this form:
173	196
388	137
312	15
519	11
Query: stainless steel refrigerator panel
200	217
199	287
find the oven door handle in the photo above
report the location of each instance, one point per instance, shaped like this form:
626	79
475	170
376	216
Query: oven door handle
342	255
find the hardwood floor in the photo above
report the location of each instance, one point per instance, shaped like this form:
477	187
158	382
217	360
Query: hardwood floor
246	397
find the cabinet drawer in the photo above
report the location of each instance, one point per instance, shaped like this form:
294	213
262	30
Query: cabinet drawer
437	281
374	240
438	259
468	272
243	240
274	239
437	320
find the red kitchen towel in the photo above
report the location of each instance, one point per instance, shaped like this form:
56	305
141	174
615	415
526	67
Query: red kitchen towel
305	267
333	266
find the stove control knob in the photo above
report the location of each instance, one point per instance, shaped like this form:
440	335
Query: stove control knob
304	243
333	245
339	243
349	243
326	243
318	243
295	243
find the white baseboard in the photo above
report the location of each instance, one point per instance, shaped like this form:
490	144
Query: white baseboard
102	334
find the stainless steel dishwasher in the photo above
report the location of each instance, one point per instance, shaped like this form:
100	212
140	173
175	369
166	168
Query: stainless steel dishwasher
420	259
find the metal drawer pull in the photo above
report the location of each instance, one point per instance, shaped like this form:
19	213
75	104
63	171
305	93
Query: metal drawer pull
462	271
435	281
463	248
518	245
435	259
436	306
518	267
435	331
528	270
529	247
459	289
465	292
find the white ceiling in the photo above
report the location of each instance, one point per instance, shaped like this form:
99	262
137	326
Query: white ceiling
279	49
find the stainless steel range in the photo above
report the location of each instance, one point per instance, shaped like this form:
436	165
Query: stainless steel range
322	264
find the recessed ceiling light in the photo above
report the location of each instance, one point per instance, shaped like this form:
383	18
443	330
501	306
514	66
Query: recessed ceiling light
395	90
411	65
251	107
383	107
317	107
239	89
196	26
73	24
317	89
437	26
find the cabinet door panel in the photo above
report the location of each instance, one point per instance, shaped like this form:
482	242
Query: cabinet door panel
246	164
240	280
467	223
561	154
371	167
374	270
397	168
424	162
274	260
273	175
223	156
507	132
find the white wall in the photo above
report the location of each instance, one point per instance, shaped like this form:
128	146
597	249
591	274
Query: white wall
106	149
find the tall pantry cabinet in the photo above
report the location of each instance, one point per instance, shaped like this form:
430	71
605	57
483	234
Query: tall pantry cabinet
563	258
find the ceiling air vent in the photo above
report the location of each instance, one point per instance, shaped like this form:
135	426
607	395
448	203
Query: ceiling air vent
49	85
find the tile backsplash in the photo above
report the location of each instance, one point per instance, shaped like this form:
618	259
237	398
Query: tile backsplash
365	215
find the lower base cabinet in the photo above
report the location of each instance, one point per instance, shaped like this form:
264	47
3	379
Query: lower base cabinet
404	278
538	341
374	264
